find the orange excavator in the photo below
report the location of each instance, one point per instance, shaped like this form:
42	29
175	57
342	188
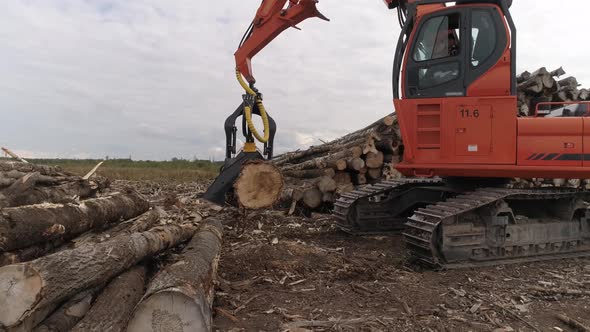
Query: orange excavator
454	92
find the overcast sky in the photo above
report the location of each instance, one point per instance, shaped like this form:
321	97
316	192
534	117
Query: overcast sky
154	79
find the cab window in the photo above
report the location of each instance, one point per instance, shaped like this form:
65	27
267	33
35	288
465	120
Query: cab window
438	38
483	36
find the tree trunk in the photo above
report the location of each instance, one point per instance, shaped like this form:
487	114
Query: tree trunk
180	297
259	185
29	225
30	290
113	308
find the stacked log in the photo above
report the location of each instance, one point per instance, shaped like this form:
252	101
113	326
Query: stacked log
25	184
547	86
82	264
314	178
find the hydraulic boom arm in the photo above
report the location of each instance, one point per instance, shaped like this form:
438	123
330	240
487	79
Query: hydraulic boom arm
271	19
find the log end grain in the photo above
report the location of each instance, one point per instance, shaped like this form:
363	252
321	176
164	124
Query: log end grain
20	287
259	185
169	311
312	198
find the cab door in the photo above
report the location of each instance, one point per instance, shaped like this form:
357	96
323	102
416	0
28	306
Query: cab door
458	62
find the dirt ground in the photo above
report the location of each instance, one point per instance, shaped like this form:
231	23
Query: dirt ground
281	273
290	273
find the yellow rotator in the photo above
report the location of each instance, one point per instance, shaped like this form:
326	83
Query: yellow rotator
248	112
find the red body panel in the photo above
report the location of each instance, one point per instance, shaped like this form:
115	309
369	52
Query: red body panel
479	135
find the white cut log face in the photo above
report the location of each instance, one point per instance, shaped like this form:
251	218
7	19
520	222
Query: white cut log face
17	280
259	185
169	311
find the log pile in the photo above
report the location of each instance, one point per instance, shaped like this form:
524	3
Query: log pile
71	262
547	86
314	178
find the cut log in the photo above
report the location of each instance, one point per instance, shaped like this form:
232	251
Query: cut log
355	164
141	223
326	161
28	193
523	77
342	178
338	165
29	290
558	72
25	226
310	173
360	179
375	173
113	308
326	184
312	198
259	185
6	166
374	160
69	314
180	297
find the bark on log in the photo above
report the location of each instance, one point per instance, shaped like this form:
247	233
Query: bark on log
29	290
558	72
6	166
25	226
180	297
325	161
139	224
259	185
113	307
310	173
14	155
32	194
69	314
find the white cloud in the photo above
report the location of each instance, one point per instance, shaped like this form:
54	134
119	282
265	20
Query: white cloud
154	79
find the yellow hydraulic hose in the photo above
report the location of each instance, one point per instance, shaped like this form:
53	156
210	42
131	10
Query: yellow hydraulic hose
248	112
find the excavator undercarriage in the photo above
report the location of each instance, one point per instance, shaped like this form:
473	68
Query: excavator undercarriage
450	228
